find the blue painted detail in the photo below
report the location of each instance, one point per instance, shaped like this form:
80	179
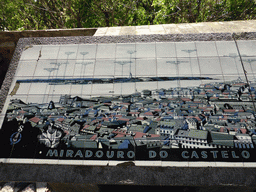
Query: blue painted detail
146	129
12	137
124	145
185	126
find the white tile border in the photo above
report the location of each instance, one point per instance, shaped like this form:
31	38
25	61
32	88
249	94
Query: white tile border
46	161
96	162
71	162
115	163
4	160
138	163
230	164
148	163
175	164
21	160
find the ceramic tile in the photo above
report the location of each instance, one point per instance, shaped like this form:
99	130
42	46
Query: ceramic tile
68	52
249	164
71	162
231	66
19	160
175	164
165	50
2	118
125	50
43	88
5	142
23	140
45	161
36	99
22	88
125	68
183	71
227	49
145	67
62	89
49	52
106	51
83	69
145	50
167	67
96	162
45	68
188	67
124	88
140	86
15	85
121	149
250	66
102	89
76	89
232	78
169	84
104	68
52	97
80	90
247	48
26	68
148	163
115	163
31	53
206	49
48	149
51	94
186	49
4	160
73	149
229	164
62	68
210	65
110	152
87	51
202	164
86	89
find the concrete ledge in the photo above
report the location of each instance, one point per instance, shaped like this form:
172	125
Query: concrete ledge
131	175
183	28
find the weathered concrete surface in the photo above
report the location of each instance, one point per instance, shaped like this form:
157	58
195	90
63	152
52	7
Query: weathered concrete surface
183	28
129	175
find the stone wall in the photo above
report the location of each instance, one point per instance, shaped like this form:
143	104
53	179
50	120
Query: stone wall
8	42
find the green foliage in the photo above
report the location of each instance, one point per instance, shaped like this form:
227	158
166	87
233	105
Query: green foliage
48	14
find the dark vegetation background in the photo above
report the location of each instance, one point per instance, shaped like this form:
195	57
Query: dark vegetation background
54	14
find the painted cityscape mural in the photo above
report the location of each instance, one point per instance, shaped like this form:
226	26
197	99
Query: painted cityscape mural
172	101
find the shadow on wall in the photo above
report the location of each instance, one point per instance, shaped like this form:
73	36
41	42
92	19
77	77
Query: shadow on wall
4	63
9	40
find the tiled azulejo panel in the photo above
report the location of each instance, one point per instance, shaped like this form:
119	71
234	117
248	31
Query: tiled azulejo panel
162	104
